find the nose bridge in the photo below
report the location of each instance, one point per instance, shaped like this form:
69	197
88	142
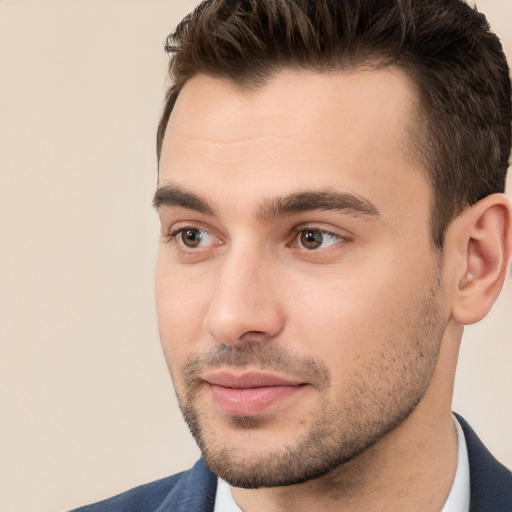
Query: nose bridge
245	298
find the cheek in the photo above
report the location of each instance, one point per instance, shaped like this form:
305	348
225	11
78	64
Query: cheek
348	316
181	305
337	328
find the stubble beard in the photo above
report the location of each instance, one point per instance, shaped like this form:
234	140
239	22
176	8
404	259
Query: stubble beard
377	402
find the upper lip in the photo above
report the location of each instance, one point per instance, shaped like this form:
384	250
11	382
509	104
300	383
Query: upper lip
248	379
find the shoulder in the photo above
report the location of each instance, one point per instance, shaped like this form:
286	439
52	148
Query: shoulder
491	482
144	497
190	490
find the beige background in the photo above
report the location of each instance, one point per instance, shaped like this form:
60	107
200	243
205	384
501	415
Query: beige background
87	409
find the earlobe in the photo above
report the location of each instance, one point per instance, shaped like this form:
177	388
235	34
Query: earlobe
484	240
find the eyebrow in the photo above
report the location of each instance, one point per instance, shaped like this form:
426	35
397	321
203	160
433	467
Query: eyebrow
317	201
173	195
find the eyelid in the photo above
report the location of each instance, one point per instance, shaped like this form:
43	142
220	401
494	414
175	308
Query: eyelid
179	227
202	232
338	234
342	234
332	233
176	226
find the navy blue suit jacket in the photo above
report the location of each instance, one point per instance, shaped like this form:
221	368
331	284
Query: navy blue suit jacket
194	490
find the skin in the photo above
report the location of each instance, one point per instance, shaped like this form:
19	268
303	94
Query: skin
367	322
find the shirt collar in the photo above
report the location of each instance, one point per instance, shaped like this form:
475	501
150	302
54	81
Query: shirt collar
458	499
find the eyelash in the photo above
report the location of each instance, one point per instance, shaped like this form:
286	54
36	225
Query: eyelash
303	229
173	237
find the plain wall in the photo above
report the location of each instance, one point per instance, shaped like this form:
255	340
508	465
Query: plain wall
87	408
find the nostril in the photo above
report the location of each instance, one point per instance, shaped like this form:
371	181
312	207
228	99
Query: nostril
252	334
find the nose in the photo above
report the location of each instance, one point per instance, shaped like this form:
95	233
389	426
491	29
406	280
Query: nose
246	301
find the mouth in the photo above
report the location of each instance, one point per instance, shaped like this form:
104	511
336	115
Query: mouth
251	392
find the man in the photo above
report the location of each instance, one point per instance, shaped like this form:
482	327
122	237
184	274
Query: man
330	191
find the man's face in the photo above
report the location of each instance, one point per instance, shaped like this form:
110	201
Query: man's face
300	302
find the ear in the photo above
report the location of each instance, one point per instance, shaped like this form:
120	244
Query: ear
482	239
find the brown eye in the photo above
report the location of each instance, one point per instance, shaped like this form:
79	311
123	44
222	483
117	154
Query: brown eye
189	240
311	239
191	237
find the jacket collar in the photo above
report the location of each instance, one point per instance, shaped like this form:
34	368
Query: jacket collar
195	491
490	481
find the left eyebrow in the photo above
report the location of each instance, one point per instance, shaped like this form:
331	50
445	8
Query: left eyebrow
308	201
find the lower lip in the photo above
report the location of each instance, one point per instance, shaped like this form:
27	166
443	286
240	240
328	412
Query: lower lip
250	401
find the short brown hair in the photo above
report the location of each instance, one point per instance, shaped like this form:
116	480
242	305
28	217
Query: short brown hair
463	132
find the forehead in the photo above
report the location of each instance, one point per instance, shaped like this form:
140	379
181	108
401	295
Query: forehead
301	129
214	108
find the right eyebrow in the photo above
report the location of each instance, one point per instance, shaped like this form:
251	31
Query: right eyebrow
173	195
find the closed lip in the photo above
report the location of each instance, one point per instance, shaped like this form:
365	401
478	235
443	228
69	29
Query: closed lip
248	379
